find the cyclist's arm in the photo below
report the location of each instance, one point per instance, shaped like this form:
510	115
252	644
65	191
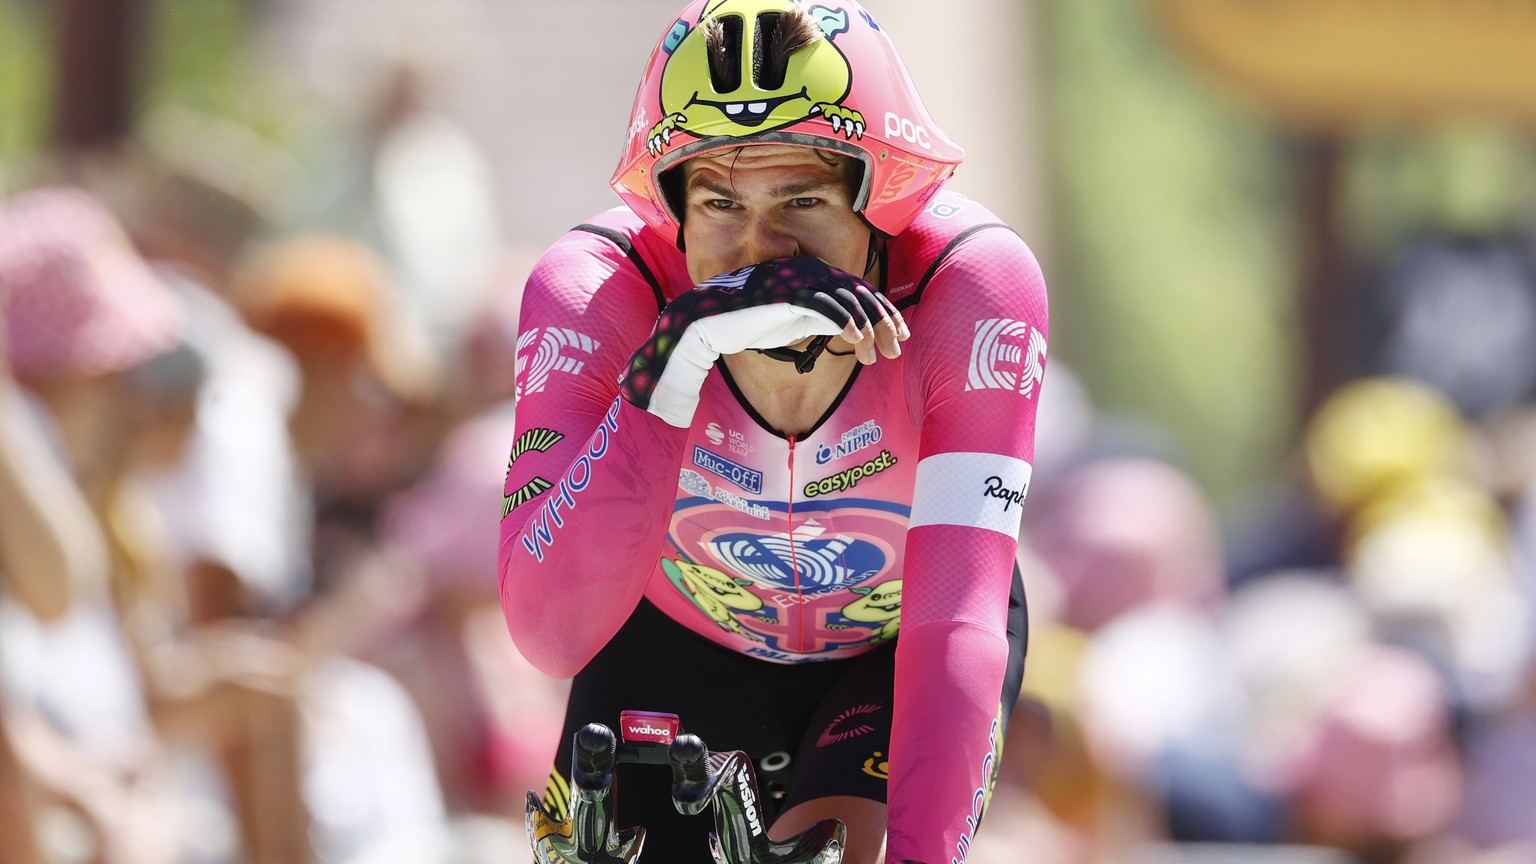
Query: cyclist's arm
591	478
974	388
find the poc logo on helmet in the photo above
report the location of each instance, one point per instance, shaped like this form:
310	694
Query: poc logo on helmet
906	130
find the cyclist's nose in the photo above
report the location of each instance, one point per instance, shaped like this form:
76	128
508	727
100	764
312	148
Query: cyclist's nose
763	238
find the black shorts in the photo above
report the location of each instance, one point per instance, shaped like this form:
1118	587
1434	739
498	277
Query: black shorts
813	729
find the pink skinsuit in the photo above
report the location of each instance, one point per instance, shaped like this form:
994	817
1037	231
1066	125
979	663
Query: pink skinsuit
793	550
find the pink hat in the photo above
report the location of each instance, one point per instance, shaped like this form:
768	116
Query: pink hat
1125	532
1379	760
447	522
77	297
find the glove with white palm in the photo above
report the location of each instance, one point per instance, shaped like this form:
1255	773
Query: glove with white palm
765	307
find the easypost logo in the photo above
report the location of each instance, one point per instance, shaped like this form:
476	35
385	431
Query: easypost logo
741	475
844	480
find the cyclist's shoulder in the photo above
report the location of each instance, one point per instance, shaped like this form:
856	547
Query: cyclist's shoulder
613	248
953	235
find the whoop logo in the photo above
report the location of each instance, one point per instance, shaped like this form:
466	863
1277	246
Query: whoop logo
1006	355
544	350
540	531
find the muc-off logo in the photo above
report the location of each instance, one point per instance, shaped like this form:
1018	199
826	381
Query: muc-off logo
1006	355
741	475
545	350
863	435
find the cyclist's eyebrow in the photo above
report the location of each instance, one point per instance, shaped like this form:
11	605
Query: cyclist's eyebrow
788	190
709	184
795	190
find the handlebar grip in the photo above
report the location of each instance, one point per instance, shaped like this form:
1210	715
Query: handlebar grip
594	757
690	772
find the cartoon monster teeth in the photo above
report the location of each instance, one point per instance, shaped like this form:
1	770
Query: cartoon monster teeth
814	81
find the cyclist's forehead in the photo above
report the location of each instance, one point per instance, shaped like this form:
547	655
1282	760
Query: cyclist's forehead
764	166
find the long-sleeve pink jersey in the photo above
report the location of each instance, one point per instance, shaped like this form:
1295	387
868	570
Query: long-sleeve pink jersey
899	511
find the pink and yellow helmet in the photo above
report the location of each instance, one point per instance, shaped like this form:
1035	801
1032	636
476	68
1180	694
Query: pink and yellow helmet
846	92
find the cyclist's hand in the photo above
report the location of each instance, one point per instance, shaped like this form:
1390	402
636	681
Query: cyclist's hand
769	305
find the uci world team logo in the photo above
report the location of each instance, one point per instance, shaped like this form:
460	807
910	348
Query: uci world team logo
1006	355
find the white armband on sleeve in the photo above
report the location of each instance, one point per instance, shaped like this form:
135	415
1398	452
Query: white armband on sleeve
971	490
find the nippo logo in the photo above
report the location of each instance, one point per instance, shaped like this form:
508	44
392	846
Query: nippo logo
649	726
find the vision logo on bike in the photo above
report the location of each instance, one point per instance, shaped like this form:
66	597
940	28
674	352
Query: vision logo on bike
537	440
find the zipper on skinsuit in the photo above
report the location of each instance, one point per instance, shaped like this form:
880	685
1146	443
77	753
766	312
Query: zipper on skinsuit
794	562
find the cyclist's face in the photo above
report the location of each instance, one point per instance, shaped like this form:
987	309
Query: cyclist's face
769	201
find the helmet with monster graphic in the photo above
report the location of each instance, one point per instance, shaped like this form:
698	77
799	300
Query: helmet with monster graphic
731	73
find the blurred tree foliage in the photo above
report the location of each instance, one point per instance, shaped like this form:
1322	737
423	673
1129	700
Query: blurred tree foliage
197	55
26	87
1175	223
1472	177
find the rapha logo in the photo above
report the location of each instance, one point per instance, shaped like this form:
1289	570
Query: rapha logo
1009	497
544	350
1007	355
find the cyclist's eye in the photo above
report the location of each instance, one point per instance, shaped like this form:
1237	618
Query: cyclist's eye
719	203
804	203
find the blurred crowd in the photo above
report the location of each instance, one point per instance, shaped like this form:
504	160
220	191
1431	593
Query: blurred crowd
250	459
251	450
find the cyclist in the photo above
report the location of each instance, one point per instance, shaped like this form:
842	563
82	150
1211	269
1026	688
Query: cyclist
774	431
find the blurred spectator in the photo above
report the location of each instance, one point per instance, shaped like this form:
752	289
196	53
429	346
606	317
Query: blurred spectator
1121	533
1376	768
365	424
326	300
80	311
413	184
494	719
